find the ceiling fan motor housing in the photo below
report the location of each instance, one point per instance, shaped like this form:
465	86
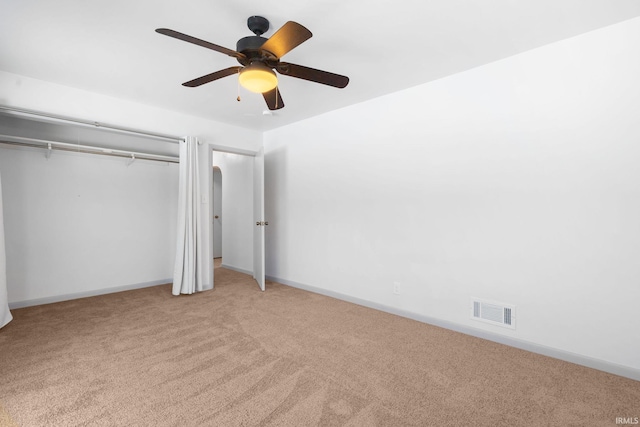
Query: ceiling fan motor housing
250	46
250	43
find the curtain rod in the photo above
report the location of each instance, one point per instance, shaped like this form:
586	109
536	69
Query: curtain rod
89	123
105	151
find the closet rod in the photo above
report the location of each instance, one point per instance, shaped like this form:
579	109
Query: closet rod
89	123
41	143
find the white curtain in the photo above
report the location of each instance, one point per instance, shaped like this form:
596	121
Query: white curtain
187	273
5	314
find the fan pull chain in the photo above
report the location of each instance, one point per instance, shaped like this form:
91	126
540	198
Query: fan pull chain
276	97
238	98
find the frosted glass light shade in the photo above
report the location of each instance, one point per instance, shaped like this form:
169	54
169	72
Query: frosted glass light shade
258	78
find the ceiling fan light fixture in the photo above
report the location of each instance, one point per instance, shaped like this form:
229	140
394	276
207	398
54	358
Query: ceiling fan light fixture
258	78
259	57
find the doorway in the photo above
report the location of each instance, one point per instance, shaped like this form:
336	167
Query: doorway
237	199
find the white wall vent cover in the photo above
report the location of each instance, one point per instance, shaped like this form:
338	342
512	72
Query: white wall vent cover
493	312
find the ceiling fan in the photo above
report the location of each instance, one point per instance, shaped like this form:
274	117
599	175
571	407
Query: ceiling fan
259	57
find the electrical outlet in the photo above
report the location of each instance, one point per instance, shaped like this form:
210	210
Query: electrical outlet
396	288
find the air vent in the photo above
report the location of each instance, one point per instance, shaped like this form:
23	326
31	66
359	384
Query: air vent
493	312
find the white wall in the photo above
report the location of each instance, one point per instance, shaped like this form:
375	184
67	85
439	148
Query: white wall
237	209
80	223
27	93
32	94
517	181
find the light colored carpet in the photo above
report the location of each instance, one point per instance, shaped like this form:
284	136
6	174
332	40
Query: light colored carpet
237	356
5	418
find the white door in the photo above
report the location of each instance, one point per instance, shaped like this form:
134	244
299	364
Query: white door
217	213
259	222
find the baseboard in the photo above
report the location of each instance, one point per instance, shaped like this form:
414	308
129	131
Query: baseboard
85	294
601	365
239	270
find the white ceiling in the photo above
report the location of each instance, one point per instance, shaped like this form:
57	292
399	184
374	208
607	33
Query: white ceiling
110	47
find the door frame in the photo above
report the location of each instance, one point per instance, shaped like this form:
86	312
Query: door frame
210	148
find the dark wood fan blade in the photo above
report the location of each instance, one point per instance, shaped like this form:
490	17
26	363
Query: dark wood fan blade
211	77
311	74
273	99
186	38
286	39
